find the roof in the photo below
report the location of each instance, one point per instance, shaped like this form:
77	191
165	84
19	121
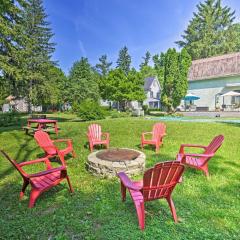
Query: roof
148	82
215	67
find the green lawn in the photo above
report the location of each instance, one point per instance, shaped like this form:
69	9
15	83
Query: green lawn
207	209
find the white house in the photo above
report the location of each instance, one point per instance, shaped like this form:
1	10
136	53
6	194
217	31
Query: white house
152	90
19	105
212	77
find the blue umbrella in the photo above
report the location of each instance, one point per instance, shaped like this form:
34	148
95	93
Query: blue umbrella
190	97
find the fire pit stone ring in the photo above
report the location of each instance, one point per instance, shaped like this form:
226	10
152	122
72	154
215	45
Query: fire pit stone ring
107	163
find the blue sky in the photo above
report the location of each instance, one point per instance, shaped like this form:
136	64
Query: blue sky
91	28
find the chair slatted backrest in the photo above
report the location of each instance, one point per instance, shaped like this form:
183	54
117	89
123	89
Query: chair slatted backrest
159	181
159	129
14	163
95	131
45	142
215	144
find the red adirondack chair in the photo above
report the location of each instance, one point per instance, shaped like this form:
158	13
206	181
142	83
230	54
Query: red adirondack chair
45	142
158	133
95	135
41	181
158	182
197	160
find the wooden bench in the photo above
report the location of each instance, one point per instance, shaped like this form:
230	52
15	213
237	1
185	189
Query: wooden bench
34	129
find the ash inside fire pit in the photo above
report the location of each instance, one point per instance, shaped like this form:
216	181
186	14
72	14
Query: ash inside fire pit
118	155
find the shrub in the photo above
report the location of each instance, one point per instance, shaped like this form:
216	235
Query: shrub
90	110
145	109
9	119
115	114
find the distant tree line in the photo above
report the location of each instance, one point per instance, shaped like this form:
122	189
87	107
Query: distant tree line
28	71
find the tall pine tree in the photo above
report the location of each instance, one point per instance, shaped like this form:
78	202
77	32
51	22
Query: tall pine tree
158	61
180	84
124	60
38	51
175	85
146	60
11	48
103	67
82	82
211	31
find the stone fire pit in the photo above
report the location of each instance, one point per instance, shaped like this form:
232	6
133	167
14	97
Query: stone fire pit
107	163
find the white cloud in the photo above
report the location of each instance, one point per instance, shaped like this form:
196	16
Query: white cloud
82	48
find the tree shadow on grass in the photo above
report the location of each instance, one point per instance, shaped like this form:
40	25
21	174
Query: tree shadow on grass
18	156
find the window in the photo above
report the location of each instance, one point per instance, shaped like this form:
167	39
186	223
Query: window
151	94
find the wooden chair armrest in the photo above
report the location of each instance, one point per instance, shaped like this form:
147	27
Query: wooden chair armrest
106	135
46	160
43	173
62	140
198	155
125	180
145	133
183	146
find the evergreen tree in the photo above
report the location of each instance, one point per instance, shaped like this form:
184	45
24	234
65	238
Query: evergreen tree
175	85
103	66
148	71
146	60
210	31
11	47
55	90
158	61
38	51
82	81
180	85
124	60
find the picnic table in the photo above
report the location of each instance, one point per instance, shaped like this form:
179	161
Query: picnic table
46	125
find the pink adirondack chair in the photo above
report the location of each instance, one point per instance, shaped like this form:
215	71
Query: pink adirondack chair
44	141
158	182
197	160
95	136
41	181
158	133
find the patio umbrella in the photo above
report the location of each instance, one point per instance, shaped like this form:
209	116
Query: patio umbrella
231	94
190	97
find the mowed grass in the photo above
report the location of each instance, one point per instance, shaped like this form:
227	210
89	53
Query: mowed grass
207	208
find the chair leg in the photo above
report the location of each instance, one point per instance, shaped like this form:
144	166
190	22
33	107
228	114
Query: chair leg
69	184
172	207
123	192
157	148
33	197
91	147
142	145
25	184
74	154
141	214
205	170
